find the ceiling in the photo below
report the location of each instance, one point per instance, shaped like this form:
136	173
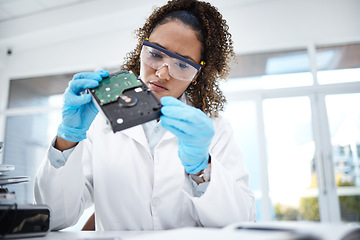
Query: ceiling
28	24
12	9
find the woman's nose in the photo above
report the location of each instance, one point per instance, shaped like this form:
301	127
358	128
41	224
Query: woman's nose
163	72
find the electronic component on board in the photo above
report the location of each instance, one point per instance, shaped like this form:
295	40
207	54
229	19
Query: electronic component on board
125	100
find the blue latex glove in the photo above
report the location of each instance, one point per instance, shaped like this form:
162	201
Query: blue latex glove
194	130
78	110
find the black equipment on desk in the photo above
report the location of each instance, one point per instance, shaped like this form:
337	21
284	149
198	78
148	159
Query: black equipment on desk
24	220
17	221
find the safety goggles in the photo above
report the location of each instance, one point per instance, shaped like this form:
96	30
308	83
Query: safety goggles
179	67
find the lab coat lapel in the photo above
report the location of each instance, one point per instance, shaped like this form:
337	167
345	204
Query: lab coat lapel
168	135
137	133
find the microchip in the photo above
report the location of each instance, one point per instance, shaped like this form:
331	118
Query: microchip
112	87
125	100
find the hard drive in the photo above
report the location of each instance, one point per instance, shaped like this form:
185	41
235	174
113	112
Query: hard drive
125	100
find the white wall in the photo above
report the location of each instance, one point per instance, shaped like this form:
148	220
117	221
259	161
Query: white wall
288	23
88	35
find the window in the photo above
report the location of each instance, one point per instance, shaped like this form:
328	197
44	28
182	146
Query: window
36	92
301	112
338	64
290	152
344	124
271	71
26	142
243	118
31	122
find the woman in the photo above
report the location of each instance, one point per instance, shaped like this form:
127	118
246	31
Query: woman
183	170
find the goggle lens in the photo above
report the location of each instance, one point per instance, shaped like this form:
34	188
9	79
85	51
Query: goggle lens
178	67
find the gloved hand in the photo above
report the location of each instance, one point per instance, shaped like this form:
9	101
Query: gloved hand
78	110
193	129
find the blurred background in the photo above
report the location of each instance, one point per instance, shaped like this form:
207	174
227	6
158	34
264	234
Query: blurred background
293	92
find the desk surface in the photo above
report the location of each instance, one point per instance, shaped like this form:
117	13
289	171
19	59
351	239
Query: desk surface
107	235
253	231
175	234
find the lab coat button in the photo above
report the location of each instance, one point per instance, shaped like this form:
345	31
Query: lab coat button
155	201
60	162
156	130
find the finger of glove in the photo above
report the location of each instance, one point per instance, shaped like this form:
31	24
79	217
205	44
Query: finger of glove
186	132
168	100
195	168
173	108
103	73
90	75
192	162
76	100
184	119
189	119
192	154
171	103
79	85
73	96
173	126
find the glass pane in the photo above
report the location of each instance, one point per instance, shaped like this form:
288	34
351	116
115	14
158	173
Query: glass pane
36	91
344	123
26	141
271	70
338	64
290	150
246	135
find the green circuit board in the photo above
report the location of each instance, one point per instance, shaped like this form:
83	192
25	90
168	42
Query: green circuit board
111	88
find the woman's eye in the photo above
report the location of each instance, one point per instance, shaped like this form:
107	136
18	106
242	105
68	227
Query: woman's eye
182	65
155	55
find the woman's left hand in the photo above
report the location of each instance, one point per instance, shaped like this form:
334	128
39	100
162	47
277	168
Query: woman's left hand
194	130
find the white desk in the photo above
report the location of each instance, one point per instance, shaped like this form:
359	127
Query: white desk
248	231
57	235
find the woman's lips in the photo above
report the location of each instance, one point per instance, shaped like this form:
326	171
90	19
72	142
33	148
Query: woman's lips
155	86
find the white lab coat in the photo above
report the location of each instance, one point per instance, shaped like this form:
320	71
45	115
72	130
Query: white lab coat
131	190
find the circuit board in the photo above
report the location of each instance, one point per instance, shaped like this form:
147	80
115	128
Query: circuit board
125	101
112	87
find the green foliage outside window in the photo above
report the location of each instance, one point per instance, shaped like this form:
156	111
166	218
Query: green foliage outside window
309	208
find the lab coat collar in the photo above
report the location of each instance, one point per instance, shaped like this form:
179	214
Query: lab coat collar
168	135
137	133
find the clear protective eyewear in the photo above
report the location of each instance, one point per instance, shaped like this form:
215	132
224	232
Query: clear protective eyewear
179	67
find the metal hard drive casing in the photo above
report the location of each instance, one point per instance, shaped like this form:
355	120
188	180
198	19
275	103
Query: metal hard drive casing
125	100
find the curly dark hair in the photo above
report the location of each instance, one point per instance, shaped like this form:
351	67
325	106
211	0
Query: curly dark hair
204	93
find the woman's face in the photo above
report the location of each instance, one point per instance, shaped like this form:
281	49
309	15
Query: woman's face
178	38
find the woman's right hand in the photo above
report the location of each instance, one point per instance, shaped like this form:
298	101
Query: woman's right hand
78	110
